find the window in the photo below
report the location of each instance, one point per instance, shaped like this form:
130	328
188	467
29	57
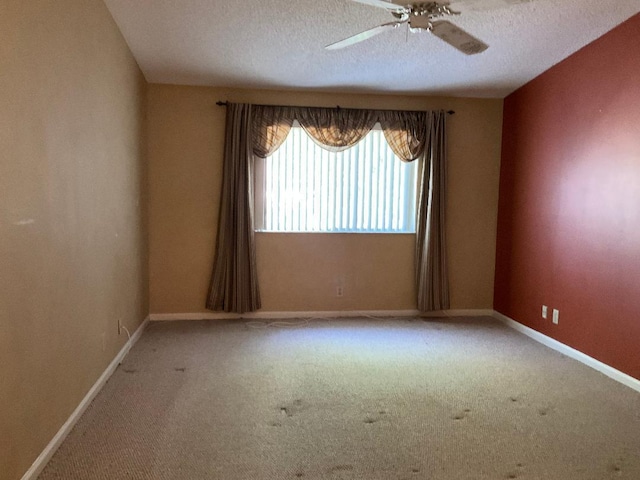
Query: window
305	188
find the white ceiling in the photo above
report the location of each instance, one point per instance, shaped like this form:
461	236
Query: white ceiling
279	44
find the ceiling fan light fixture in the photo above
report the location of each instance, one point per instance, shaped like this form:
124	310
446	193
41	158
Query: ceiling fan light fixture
418	23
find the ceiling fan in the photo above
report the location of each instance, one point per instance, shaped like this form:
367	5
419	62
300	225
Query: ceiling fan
420	16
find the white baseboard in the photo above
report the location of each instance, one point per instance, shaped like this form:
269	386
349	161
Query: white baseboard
463	313
610	372
42	460
158	317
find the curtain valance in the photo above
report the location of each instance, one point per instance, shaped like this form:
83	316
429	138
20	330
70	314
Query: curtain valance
338	129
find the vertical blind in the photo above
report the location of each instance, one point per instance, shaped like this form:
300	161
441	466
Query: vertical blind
305	188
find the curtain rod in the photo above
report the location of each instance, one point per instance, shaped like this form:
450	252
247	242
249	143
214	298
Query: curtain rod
224	104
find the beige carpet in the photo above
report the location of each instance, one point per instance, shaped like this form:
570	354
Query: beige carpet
352	399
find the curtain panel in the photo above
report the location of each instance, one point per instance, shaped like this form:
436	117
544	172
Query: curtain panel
432	279
234	281
261	129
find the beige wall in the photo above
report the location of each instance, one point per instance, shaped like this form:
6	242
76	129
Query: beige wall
73	248
299	272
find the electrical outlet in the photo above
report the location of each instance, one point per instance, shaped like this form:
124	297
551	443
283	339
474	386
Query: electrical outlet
556	316
339	291
544	311
119	326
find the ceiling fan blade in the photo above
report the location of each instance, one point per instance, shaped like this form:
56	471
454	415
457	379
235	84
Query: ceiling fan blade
359	37
458	38
382	4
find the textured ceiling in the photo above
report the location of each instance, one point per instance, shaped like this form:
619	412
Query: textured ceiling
279	43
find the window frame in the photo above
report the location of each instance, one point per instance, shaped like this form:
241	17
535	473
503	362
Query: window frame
409	205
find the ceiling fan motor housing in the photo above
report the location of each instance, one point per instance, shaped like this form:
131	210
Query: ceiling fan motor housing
420	15
431	9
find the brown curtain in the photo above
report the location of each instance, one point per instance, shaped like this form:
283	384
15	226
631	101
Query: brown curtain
234	282
270	127
336	129
431	257
405	132
260	130
332	129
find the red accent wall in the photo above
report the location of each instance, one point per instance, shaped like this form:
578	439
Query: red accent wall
569	209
